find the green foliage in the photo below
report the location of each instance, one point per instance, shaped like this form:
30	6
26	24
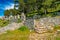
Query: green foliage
49	14
6	12
48	2
30	7
3	23
56	27
31	14
23	28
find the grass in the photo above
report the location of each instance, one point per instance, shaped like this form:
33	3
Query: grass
16	35
57	27
21	34
57	38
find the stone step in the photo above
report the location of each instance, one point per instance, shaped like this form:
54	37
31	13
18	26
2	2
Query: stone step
40	29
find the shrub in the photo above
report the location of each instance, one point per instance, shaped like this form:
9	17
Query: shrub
3	23
23	28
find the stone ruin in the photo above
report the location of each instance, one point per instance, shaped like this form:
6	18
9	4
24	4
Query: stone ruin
41	25
45	24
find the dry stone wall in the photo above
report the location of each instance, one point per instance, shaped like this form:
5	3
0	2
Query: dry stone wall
29	23
44	24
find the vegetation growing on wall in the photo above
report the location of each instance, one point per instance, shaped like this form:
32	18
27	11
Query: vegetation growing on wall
3	23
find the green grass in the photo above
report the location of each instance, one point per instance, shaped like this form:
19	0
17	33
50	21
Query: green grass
57	38
16	35
57	27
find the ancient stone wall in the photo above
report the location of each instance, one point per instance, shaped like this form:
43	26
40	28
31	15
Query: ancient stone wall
29	23
44	24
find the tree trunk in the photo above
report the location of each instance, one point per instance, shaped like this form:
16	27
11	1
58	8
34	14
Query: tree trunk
45	11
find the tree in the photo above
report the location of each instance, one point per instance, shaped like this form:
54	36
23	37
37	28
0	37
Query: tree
30	7
22	5
6	13
34	7
13	11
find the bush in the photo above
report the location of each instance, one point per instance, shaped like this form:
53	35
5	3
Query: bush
3	23
23	28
